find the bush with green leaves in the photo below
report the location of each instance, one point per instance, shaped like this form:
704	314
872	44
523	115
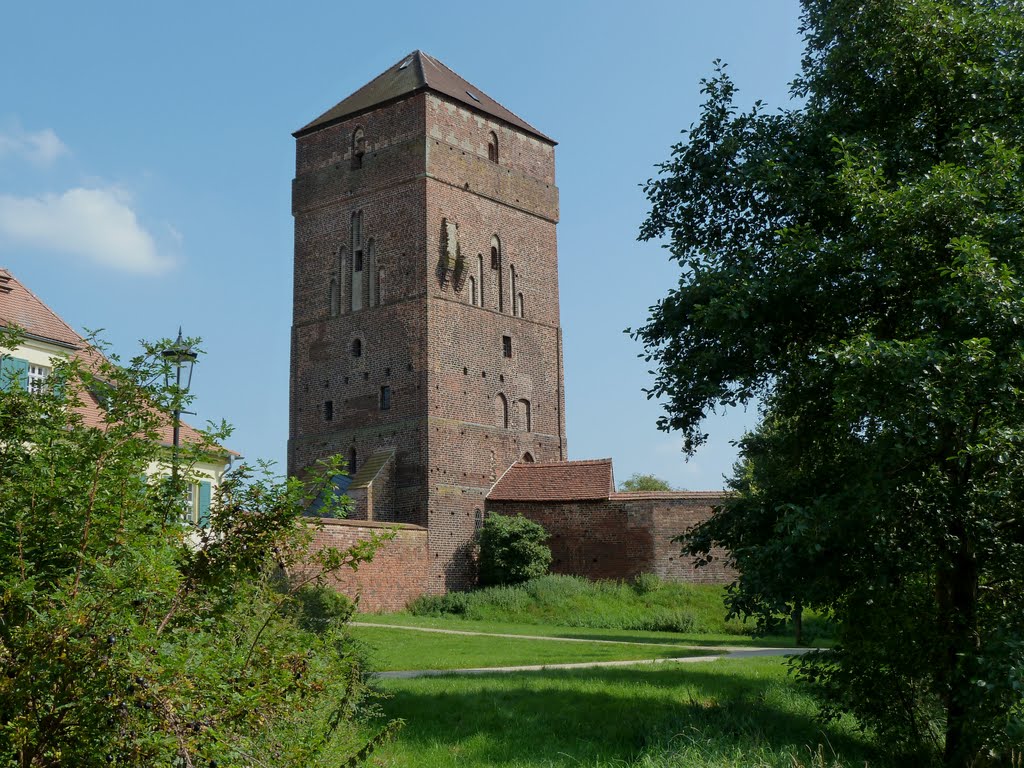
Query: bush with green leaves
128	638
513	549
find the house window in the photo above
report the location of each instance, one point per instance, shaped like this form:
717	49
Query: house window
385	398
37	376
492	147
357	347
329	410
196	506
506	346
478	520
352	461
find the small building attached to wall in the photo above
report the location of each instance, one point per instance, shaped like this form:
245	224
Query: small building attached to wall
599	533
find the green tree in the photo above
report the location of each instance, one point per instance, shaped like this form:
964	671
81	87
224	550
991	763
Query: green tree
127	637
855	262
513	549
640	482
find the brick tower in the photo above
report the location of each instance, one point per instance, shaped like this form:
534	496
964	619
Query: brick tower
426	346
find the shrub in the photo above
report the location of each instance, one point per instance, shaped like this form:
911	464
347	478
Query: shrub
646	583
512	550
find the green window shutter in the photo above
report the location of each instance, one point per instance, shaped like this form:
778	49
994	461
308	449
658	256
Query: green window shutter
13	369
205	490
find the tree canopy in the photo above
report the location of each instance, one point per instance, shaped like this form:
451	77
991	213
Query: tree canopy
130	637
644	482
854	263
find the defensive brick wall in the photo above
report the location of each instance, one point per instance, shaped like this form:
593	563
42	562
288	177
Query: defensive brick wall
625	535
398	573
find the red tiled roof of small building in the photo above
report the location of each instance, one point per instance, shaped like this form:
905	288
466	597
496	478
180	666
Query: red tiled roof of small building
20	307
590	480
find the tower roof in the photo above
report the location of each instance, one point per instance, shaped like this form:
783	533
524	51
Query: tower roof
413	73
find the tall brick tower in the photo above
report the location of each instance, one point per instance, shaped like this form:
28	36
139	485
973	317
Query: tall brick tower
426	346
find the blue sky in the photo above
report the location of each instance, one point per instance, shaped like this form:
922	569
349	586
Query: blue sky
146	159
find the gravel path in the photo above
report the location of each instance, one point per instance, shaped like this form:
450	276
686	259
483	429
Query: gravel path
728	652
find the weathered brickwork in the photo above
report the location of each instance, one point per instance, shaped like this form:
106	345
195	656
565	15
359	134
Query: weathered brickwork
463	327
398	572
624	536
426	326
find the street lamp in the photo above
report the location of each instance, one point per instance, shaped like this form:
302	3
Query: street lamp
180	357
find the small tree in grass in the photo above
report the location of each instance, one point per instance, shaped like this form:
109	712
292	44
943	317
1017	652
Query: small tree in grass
129	638
512	550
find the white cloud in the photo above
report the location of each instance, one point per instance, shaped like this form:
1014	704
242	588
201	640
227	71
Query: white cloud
41	148
94	224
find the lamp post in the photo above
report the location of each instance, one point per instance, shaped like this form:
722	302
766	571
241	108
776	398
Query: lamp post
180	358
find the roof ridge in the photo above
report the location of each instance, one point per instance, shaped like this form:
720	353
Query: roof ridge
45	307
517	117
563	462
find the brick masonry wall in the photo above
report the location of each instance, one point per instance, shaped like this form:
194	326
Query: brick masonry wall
398	573
516	201
426	164
624	536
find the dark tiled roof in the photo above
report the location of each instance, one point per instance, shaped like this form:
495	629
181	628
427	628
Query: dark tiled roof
555	481
418	72
19	306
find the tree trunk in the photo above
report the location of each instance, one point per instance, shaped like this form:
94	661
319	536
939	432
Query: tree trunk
959	613
798	622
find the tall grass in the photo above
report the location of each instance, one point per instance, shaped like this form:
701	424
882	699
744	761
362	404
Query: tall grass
649	604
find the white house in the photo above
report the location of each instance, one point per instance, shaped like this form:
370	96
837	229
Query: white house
46	339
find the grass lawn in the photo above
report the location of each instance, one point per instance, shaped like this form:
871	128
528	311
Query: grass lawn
745	713
547	630
391	649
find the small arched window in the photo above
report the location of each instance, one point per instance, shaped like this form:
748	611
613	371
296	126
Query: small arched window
492	147
357	260
358	148
496	264
519	300
335	297
473	298
478	519
523	415
501	410
357	347
480	277
371	266
528	457
352	461
512	288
